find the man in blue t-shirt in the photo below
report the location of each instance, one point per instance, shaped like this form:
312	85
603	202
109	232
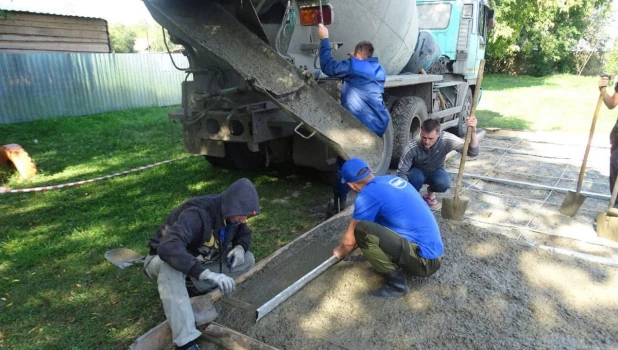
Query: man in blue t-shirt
392	226
361	94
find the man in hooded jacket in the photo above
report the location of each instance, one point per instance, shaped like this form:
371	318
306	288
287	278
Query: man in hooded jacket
202	245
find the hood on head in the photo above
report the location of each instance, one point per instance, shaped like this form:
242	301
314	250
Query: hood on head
240	198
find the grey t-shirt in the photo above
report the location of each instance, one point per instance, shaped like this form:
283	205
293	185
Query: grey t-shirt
416	156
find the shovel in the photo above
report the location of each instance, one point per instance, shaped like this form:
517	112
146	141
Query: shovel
573	200
607	222
455	208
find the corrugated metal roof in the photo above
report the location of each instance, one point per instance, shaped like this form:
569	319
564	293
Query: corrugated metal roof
51	13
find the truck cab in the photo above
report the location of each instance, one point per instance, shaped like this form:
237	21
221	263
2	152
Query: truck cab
460	30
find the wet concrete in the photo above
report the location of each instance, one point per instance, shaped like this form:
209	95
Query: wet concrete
210	28
302	256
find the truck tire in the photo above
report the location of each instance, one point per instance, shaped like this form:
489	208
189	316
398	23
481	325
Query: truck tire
462	128
407	115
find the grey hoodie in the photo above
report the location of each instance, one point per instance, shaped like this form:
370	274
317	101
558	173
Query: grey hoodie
196	223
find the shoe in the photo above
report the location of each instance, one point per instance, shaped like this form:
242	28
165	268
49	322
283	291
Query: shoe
433	203
396	285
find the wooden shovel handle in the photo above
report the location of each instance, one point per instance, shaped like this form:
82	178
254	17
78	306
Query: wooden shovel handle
582	171
464	152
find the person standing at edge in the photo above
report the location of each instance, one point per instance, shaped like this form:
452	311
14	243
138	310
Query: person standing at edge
611	102
392	226
192	244
361	94
424	163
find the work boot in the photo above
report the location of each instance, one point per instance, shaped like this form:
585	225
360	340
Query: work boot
336	206
396	285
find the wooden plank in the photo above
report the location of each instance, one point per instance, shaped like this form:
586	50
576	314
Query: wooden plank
55	46
15	37
49	18
230	339
92	26
160	337
90	34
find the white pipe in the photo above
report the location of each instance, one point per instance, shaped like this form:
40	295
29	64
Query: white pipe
531	185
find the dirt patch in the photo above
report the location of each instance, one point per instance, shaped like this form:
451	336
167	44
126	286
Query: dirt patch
515	274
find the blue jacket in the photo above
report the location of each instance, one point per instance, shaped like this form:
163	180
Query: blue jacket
363	85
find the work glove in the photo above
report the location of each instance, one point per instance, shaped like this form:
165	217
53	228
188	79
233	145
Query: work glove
224	282
236	257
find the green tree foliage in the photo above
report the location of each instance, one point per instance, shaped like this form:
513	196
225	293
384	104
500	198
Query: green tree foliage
122	38
611	59
145	32
536	36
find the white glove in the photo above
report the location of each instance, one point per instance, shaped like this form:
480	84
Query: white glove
224	282
236	257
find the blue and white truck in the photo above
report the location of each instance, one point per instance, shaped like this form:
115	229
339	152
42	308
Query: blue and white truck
257	95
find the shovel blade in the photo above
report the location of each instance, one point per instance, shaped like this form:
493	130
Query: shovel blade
607	226
123	257
453	209
571	204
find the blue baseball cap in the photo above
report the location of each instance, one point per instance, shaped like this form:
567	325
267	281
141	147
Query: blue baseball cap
352	170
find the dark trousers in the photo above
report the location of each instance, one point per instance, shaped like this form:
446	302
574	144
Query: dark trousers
387	251
438	179
613	158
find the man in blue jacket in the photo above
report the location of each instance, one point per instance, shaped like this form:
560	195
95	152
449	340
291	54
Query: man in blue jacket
202	245
361	94
392	226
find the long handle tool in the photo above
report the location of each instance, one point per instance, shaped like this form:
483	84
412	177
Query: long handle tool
295	287
455	208
574	200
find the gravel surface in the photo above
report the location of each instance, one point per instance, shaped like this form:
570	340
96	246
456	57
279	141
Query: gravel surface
516	274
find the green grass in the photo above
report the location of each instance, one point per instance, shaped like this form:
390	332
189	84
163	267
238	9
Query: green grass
556	103
56	289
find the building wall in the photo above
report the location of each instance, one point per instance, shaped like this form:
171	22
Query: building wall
44	85
28	32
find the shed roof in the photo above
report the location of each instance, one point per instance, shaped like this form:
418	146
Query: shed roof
51	13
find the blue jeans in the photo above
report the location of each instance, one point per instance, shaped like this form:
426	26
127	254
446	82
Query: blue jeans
438	179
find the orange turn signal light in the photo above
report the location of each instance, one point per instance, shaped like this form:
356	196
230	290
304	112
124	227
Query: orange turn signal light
311	16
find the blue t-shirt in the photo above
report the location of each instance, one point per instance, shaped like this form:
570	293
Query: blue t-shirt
362	89
393	203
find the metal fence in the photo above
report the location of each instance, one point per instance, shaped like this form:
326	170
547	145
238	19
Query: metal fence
37	86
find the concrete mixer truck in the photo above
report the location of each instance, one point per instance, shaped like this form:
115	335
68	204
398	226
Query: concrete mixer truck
257	94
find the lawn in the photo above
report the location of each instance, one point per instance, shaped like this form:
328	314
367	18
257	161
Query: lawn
56	289
556	103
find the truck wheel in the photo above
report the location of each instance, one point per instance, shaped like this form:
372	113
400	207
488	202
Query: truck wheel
462	128
407	115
